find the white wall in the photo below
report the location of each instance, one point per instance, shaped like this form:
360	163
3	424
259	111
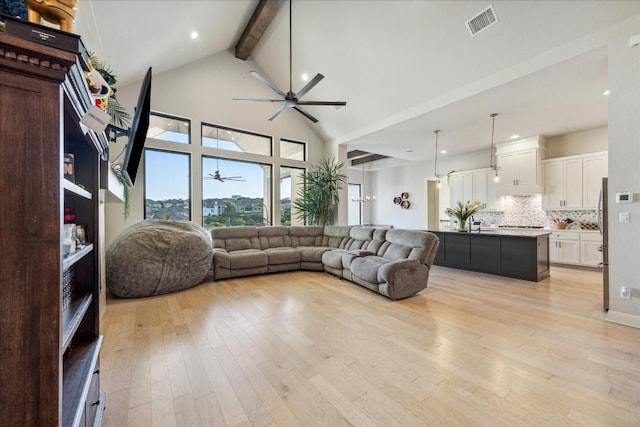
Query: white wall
583	142
202	91
624	174
410	177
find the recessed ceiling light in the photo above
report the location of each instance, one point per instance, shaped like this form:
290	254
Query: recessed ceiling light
409	151
193	35
304	77
606	92
443	152
515	136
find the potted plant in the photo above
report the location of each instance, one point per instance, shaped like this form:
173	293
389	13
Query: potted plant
318	196
463	212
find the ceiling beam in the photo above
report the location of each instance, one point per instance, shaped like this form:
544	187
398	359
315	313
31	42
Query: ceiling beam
255	29
354	154
371	158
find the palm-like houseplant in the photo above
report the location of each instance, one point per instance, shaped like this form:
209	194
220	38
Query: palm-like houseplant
318	197
463	212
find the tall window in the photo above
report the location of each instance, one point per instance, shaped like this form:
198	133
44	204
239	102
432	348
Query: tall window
169	128
235	193
166	180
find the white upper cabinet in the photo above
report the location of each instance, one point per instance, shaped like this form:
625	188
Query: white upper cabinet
562	184
473	185
573	182
519	166
594	167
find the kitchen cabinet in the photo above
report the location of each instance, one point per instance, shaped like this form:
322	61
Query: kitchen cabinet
473	185
519	166
562	184
590	249
461	188
522	255
564	247
573	182
594	168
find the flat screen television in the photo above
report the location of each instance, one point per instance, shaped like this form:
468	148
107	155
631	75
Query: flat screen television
137	132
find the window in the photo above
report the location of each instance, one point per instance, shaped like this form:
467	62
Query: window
223	138
166	180
235	193
290	181
169	128
293	150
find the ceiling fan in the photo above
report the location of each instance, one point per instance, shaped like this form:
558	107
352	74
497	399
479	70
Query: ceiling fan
216	175
291	99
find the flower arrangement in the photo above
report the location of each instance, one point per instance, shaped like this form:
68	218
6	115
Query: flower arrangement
463	212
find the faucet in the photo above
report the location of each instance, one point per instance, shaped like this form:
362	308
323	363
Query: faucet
474	222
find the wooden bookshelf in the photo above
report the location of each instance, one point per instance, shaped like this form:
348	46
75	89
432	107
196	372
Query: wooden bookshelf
50	335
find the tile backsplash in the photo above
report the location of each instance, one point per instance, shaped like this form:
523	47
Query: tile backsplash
527	211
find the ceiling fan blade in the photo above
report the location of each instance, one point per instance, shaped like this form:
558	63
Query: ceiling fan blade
268	83
257	100
331	103
233	179
310	85
307	115
278	111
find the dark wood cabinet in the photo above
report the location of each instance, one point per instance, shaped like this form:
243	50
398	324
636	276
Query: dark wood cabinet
49	332
522	256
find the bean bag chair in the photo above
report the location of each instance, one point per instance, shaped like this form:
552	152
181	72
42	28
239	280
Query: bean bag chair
155	257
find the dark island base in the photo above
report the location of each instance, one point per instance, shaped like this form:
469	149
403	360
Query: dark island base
521	256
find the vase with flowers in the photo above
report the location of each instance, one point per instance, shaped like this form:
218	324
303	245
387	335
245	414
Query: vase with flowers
462	212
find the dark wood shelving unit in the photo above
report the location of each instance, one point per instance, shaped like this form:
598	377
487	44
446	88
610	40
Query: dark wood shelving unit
49	327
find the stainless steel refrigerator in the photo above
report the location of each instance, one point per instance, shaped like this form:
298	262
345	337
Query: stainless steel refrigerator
603	221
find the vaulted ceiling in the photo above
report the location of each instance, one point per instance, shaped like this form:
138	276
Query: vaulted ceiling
404	67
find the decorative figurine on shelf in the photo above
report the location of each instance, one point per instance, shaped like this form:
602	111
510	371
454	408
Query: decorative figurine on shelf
58	12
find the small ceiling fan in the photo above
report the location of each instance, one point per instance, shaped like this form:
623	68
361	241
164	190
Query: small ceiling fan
216	175
291	99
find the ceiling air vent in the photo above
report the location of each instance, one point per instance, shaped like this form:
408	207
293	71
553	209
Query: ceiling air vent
482	21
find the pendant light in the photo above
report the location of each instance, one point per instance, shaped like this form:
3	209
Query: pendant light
492	152
364	199
435	160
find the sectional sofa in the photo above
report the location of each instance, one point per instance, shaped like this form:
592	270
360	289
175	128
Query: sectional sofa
392	262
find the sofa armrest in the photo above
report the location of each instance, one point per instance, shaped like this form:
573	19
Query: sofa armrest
387	271
221	258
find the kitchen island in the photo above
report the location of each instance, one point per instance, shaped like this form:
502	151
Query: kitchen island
521	254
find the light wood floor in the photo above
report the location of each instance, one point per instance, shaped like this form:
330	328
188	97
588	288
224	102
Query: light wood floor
309	349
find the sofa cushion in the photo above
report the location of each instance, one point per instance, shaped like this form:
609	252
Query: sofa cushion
333	258
335	236
282	255
248	258
235	238
367	268
312	253
306	235
274	237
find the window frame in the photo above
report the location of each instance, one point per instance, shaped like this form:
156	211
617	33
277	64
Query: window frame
190	177
173	117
